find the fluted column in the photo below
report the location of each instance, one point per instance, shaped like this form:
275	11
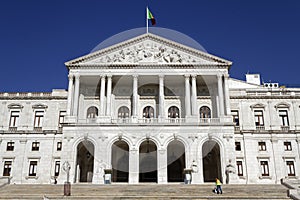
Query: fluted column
134	95
102	93
70	94
187	96
194	95
76	95
226	94
220	94
108	96
161	96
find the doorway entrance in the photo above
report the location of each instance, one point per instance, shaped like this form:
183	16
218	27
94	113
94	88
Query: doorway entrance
120	161
211	161
85	161
176	161
148	162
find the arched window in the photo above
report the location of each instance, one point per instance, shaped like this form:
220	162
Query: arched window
92	112
173	112
205	112
123	112
148	112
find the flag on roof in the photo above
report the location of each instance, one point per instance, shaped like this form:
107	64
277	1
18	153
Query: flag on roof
151	17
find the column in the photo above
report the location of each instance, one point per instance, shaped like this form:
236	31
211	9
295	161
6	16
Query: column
133	166
108	96
187	96
161	96
102	93
70	94
220	94
76	95
194	95
134	95
226	94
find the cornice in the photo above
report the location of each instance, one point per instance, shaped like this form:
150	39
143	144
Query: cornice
264	97
148	66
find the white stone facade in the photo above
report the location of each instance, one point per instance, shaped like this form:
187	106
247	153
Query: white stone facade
149	109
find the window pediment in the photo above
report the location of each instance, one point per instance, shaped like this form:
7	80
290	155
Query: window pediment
258	106
39	106
282	105
15	106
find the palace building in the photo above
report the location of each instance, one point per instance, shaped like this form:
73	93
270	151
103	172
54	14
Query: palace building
150	109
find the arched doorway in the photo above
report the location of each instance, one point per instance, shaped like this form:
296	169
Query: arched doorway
176	161
120	161
85	161
148	162
211	161
205	112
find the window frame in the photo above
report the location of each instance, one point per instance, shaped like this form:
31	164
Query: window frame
122	112
7	167
290	164
61	117
15	118
235	117
38	118
259	118
238	144
287	146
35	146
59	146
10	146
32	168
239	166
284	117
262	146
205	112
264	167
56	168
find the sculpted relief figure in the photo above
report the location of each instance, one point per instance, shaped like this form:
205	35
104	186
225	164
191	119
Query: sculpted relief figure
138	53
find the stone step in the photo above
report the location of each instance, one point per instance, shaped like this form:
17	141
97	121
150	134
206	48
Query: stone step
144	191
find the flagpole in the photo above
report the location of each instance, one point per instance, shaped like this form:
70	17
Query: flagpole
147	19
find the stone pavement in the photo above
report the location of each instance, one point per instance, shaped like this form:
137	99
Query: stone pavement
144	191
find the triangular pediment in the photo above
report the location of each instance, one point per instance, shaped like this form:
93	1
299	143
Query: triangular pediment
148	49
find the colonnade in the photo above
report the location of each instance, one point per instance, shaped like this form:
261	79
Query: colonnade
191	107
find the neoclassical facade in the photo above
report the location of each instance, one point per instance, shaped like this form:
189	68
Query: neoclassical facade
149	109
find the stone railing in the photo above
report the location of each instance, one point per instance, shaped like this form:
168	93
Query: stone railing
25	94
149	121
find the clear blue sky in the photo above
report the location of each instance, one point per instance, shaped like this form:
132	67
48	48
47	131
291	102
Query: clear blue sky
38	36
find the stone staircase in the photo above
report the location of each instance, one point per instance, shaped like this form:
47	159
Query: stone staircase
144	191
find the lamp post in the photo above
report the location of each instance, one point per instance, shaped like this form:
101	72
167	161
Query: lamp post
67	184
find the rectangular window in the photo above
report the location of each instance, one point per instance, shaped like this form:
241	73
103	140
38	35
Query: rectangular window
59	146
238	146
7	168
290	168
262	146
264	168
10	146
239	165
35	146
283	115
259	118
14	118
32	168
287	146
61	119
235	116
38	119
57	168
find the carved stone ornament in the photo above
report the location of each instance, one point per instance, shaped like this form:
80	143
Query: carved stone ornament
149	51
